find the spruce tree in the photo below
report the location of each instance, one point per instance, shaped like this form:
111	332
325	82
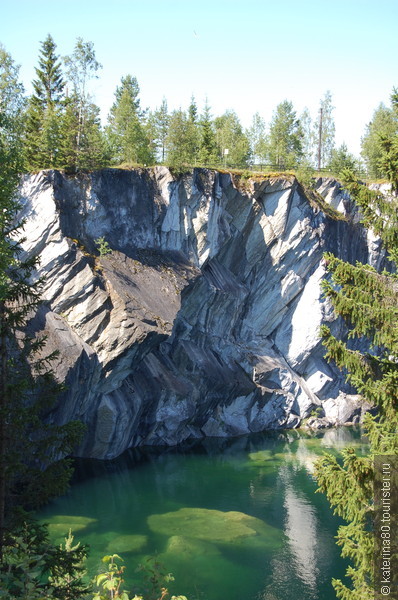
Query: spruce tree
193	131
49	85
31	449
341	160
388	159
43	131
367	300
126	132
383	126
208	154
182	141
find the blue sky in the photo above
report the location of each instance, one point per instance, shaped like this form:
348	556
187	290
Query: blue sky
244	55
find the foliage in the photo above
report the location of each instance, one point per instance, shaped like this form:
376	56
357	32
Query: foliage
84	146
257	139
182	139
103	246
31	448
306	175
158	126
367	300
126	130
68	572
230	136
388	160
383	126
33	568
43	131
208	154
11	124
63	128
285	137
341	160
111	582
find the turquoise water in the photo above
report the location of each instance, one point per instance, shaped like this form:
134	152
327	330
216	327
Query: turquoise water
231	520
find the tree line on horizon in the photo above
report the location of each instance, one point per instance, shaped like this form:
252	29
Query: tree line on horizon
61	127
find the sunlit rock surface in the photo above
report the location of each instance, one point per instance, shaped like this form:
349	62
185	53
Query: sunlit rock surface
204	318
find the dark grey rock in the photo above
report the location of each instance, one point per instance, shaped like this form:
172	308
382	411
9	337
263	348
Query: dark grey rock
204	320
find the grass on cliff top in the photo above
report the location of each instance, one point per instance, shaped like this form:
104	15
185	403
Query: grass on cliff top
317	201
243	177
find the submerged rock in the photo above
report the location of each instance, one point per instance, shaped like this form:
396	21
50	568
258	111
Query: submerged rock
60	525
204	318
190	547
209	525
126	543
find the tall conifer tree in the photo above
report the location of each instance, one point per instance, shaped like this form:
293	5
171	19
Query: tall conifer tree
384	125
31	470
126	132
208	154
43	126
367	300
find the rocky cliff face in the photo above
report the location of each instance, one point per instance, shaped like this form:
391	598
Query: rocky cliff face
204	318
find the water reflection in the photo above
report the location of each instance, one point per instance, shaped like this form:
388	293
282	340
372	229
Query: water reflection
150	502
301	530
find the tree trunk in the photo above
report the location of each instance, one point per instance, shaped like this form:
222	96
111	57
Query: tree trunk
320	139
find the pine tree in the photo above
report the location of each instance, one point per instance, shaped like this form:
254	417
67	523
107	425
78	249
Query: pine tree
367	300
43	132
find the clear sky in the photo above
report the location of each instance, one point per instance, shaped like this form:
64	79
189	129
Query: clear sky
246	55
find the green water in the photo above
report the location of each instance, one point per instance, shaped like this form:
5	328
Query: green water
231	520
